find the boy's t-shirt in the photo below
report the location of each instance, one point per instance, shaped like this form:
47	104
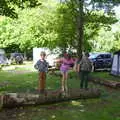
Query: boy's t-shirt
41	65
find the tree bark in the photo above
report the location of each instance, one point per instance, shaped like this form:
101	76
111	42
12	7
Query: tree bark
11	100
80	22
109	83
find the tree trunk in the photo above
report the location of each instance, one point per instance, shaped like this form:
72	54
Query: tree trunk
11	100
80	23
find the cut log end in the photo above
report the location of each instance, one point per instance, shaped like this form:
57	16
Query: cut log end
108	83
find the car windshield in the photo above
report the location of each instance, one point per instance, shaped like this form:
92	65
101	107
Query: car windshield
16	54
93	55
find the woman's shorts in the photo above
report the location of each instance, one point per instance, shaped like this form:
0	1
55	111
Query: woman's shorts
63	70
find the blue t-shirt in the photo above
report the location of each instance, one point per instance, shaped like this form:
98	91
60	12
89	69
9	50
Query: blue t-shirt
41	65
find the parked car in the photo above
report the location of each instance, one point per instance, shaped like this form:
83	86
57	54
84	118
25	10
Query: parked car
101	60
16	58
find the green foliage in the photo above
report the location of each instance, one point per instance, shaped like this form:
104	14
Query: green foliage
65	27
7	7
116	39
33	28
108	39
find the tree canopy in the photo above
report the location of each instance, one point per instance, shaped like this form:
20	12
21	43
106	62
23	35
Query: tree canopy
52	24
7	7
32	28
96	15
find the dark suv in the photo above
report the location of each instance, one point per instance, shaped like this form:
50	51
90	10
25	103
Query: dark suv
101	60
16	58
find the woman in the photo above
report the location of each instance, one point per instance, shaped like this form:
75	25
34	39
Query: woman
66	64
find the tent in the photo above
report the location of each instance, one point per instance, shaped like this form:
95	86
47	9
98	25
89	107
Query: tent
116	64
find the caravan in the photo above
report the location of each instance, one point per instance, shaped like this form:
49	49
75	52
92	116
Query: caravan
116	64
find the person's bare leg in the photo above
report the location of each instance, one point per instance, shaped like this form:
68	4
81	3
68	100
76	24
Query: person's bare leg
66	84
63	82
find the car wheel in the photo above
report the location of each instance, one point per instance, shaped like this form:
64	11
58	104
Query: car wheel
93	68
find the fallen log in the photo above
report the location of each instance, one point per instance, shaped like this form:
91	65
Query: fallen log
10	100
109	83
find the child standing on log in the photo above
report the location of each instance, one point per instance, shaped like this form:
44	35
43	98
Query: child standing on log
84	68
42	67
66	64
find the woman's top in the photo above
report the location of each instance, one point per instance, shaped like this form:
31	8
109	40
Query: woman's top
66	64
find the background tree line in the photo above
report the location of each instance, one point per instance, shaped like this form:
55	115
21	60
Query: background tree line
78	24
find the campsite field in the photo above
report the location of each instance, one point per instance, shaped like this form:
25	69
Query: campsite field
107	107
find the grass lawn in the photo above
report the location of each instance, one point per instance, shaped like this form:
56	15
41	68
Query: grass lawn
106	75
107	107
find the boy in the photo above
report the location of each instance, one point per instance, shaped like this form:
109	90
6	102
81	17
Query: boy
42	67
